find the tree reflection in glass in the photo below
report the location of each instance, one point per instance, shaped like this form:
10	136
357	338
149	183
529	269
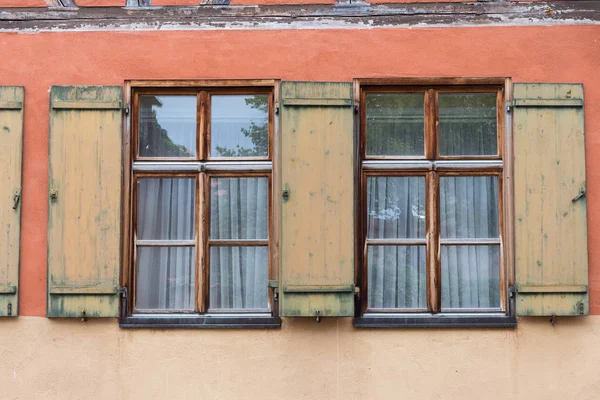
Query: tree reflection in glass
167	126
239	126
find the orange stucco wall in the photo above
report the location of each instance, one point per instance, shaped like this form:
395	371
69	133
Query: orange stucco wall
37	61
22	3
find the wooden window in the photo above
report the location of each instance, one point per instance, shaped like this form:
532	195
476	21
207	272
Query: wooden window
200	226
431	194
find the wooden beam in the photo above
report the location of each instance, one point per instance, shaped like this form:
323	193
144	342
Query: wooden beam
320	16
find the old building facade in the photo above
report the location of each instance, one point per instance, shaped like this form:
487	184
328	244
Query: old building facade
299	199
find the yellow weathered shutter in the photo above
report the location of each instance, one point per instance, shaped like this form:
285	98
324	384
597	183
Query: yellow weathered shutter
84	221
551	263
11	134
317	178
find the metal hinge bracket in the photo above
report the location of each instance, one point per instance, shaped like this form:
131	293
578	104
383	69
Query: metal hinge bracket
16	199
274	284
126	108
512	290
123	294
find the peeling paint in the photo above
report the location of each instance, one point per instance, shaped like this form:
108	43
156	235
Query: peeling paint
348	16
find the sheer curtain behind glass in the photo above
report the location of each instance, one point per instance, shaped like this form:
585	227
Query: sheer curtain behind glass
166	273
470	273
396	273
239	273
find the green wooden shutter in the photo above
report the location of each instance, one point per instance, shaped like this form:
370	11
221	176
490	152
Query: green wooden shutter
11	135
551	265
317	232
84	221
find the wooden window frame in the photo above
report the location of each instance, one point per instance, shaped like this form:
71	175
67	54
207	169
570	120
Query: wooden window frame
202	167
433	166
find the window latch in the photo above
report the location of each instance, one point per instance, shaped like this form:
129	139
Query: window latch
286	192
579	195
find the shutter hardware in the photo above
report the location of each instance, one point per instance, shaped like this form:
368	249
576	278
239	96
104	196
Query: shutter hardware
126	108
16	199
123	293
579	195
9	309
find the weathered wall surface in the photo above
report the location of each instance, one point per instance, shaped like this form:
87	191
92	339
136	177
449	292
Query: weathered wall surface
49	359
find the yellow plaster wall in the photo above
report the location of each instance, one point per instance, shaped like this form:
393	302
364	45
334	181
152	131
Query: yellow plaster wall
59	359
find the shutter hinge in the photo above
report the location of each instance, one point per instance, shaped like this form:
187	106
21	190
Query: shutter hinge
126	108
274	284
276	108
9	309
16	199
509	105
123	293
357	292
512	290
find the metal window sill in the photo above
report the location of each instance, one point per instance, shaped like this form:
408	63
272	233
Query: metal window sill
200	322
435	321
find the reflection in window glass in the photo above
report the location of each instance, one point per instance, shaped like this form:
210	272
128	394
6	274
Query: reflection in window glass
239	125
395	207
167	126
467	124
395	124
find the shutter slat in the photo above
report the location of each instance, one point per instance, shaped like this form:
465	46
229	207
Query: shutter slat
11	135
317	242
11	105
84	201
551	265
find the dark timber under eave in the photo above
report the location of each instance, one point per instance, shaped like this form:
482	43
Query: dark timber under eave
339	16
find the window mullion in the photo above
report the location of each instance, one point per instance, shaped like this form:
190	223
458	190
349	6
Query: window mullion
202	121
202	243
433	218
430	124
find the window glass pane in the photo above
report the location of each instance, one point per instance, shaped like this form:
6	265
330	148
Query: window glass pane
395	124
467	124
397	277
469	207
165	278
239	208
470	276
167	126
166	208
239	125
396	207
238	277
